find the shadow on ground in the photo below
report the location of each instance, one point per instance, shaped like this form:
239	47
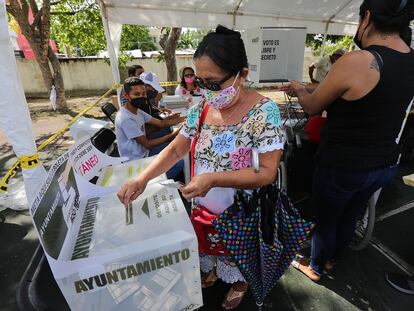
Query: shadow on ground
18	242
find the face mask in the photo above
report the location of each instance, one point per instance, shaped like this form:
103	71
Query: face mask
139	102
358	42
220	99
152	94
189	80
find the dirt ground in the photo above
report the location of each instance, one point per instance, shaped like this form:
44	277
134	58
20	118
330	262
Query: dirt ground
47	122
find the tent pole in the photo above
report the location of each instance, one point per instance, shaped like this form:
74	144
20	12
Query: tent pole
112	52
236	9
324	39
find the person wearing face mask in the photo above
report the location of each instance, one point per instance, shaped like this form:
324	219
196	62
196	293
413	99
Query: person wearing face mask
236	120
187	87
154	89
130	122
367	95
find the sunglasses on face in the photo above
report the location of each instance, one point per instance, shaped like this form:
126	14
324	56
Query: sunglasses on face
212	85
189	75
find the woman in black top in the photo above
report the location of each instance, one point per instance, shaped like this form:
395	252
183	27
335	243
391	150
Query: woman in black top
367	95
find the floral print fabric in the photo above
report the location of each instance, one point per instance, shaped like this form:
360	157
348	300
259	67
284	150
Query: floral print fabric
227	148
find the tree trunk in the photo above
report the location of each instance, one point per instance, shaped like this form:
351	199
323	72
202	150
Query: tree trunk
38	35
169	44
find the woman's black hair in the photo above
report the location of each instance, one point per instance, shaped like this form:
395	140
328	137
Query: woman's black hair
132	70
225	48
389	16
183	83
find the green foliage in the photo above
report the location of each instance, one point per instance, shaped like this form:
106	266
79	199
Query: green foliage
160	57
331	44
191	39
77	24
123	59
136	37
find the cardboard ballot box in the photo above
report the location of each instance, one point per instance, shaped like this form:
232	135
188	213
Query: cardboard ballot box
107	257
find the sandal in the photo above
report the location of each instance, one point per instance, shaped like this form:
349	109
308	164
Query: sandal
209	279
304	267
234	297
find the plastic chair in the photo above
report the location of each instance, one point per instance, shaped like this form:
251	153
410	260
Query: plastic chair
103	139
108	109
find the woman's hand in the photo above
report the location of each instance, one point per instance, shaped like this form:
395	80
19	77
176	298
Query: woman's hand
198	186
293	88
131	190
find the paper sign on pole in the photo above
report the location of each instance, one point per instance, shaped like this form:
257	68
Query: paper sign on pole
275	54
107	257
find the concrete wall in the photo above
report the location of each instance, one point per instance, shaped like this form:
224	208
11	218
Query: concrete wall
86	76
93	76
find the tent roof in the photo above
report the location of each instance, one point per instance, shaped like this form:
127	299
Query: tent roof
342	15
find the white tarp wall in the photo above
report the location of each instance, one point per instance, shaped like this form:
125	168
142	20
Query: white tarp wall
319	16
15	118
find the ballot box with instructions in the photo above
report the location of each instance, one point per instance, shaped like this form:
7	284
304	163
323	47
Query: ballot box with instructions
108	257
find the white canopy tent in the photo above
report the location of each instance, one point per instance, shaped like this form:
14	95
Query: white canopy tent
319	16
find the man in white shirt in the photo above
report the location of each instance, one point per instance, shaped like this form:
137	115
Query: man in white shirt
323	66
130	126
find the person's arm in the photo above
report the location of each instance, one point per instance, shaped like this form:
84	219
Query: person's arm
311	70
151	143
166	122
349	70
171	154
241	179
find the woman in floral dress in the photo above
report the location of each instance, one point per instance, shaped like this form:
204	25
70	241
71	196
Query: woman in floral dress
238	120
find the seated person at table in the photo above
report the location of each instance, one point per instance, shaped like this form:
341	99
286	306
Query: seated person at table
135	71
187	86
130	127
154	89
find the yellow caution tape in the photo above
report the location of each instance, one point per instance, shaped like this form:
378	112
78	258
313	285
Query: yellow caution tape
4	183
29	162
170	83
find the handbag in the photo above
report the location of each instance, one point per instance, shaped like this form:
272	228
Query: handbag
208	240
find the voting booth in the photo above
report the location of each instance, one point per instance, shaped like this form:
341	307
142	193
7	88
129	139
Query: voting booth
107	257
275	54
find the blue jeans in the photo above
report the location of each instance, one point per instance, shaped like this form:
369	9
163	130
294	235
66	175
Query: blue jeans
176	169
340	196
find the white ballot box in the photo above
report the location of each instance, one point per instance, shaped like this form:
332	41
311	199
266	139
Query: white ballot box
174	102
108	257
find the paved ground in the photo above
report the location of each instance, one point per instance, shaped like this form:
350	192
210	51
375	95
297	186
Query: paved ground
356	284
